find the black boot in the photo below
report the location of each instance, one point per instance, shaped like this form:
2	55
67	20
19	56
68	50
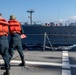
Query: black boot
23	63
4	67
7	72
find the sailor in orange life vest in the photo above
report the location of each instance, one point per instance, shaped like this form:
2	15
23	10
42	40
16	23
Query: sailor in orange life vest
4	45
15	39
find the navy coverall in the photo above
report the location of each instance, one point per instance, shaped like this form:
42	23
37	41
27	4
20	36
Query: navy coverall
15	43
4	46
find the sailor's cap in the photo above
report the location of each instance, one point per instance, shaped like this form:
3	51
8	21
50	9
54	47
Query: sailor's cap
12	17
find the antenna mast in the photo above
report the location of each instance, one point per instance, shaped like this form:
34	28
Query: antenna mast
30	11
58	16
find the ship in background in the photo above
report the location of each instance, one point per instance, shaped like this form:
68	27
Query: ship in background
58	35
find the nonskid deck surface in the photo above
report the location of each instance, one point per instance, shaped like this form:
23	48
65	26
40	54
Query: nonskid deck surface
44	63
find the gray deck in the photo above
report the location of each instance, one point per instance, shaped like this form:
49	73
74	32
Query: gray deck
41	63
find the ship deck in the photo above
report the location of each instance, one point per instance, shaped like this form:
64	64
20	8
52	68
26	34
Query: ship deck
44	63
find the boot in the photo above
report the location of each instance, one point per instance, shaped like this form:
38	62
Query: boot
23	63
7	72
4	68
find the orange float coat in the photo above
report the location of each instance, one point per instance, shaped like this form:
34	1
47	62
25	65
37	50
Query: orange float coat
3	27
14	26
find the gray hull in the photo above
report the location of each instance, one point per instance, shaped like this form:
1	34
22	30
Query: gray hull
58	35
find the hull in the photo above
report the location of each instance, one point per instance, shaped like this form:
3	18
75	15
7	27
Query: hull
58	35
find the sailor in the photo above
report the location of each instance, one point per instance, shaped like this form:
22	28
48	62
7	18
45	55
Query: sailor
15	39
4	45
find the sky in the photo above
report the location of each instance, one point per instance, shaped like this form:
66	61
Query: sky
45	10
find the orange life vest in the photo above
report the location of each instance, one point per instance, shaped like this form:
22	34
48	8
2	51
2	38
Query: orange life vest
14	26
3	27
